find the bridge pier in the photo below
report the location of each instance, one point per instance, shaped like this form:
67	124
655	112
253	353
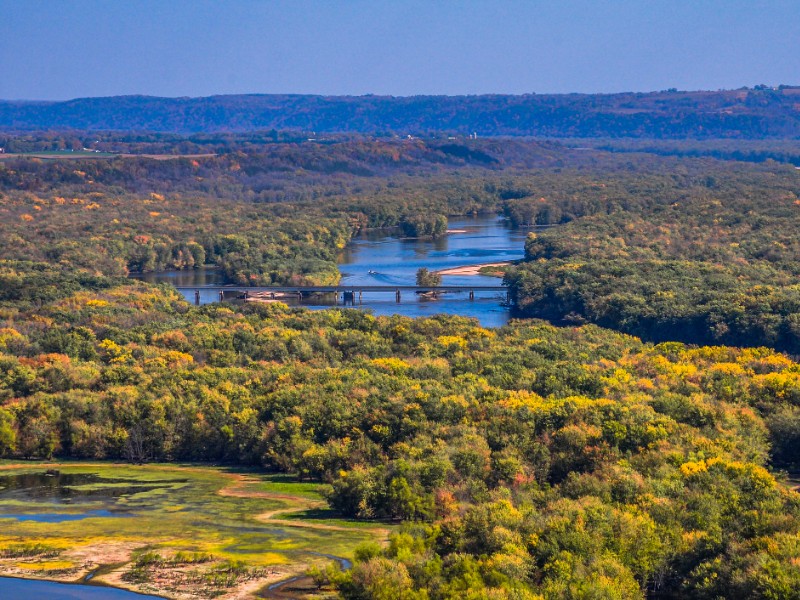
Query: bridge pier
197	297
359	296
472	294
397	296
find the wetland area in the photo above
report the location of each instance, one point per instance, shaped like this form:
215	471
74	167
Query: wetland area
108	531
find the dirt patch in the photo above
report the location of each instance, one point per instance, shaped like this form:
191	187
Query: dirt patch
473	269
85	560
187	582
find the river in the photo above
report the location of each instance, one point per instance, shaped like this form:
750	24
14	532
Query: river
376	258
29	589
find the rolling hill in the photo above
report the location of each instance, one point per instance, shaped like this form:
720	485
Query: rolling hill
755	113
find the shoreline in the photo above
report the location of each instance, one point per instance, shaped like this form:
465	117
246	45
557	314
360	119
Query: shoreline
473	269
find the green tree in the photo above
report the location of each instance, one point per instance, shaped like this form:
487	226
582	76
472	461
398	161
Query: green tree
426	278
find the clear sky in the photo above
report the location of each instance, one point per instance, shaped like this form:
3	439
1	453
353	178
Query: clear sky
59	49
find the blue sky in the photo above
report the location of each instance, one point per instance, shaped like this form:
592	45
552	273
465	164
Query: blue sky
53	49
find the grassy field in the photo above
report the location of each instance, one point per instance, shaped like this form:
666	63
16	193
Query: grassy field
179	531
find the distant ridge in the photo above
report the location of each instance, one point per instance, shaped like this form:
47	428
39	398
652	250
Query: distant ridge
759	112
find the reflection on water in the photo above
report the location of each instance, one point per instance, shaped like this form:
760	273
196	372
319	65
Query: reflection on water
380	259
70	488
53	497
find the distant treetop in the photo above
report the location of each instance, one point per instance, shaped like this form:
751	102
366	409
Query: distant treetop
760	112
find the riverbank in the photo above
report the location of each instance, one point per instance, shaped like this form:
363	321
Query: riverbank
477	269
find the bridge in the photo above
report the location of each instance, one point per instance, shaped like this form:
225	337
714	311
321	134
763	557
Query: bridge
348	292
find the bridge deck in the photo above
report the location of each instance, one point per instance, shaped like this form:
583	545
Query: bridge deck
345	288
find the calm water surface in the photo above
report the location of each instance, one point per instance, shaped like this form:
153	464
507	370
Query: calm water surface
28	589
56	498
380	259
395	261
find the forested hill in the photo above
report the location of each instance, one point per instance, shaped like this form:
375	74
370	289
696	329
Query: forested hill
745	113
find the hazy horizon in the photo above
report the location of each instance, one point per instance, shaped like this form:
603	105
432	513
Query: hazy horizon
199	48
367	95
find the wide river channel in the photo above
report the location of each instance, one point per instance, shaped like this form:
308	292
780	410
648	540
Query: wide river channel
377	258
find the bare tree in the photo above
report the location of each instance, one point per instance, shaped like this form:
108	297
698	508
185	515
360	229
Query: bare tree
135	450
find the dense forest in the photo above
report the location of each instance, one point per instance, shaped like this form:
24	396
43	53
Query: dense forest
529	460
747	113
682	248
539	460
784	150
709	259
279	216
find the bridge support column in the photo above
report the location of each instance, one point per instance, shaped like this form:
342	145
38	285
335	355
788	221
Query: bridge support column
197	297
472	294
397	296
359	296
